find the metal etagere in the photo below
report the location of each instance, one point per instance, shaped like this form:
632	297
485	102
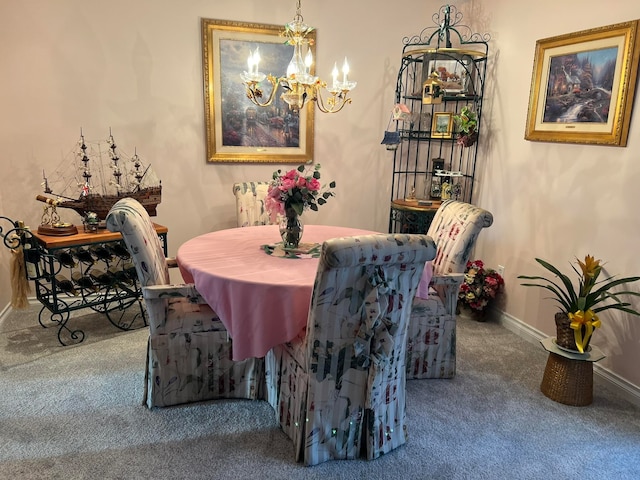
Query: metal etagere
429	165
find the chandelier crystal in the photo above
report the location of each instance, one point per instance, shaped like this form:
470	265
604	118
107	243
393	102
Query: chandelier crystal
299	84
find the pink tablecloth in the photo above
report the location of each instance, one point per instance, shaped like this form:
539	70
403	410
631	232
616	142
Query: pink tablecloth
262	300
423	286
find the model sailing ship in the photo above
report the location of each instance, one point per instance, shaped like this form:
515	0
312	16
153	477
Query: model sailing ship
99	179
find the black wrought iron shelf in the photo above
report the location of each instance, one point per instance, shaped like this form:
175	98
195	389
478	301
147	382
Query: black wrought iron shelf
460	57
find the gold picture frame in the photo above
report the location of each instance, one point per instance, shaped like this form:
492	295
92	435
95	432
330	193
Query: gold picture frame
236	129
442	125
583	85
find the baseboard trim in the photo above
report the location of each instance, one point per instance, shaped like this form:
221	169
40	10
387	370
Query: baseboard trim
622	387
8	308
5	312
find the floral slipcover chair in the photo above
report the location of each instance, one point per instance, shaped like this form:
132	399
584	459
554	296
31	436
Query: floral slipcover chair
338	390
250	203
189	352
431	349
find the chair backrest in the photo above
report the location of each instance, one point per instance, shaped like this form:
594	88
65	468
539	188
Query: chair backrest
455	228
129	217
250	203
355	344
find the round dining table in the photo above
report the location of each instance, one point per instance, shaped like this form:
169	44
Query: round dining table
261	298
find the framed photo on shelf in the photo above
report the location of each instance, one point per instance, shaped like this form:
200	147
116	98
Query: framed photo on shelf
237	130
442	125
452	74
583	85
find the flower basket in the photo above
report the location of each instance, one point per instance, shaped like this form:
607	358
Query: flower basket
466	125
479	289
564	334
468	140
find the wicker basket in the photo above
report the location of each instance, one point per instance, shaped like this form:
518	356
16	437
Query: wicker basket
565	335
568	381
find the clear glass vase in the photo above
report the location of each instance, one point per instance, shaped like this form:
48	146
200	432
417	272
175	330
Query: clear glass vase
291	229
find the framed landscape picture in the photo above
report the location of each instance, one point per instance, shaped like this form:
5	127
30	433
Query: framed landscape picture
442	125
237	130
583	85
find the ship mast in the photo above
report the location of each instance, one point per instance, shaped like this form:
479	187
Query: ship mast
117	174
86	174
137	173
46	183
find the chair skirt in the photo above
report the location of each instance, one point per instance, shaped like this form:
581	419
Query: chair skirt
360	427
190	358
431	345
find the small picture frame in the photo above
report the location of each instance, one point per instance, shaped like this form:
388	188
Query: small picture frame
451	73
442	125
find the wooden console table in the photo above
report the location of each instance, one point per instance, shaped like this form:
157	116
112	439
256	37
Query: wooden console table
85	270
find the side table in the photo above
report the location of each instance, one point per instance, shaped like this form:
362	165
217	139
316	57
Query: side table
407	216
568	377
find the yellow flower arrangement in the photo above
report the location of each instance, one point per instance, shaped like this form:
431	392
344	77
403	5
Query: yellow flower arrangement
580	305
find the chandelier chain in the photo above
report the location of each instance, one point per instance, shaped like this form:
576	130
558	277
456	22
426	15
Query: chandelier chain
298	17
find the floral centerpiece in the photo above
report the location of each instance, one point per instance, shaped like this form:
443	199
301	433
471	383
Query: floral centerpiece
580	307
480	286
466	125
292	193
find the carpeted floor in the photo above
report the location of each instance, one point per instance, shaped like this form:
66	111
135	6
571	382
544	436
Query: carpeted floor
75	413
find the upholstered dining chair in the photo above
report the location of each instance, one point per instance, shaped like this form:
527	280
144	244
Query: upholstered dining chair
431	349
189	350
250	203
338	390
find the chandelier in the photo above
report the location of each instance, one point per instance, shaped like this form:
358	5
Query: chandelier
299	84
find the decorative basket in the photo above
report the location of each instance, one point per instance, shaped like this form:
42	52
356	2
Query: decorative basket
568	381
468	140
565	335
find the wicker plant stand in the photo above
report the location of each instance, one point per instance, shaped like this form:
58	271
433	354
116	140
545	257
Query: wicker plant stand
568	377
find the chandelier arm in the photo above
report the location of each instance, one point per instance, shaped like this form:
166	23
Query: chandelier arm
342	100
254	93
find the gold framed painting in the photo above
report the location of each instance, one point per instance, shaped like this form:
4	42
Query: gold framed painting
236	129
442	125
583	85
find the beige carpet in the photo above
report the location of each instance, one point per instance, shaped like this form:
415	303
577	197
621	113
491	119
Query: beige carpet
23	339
75	413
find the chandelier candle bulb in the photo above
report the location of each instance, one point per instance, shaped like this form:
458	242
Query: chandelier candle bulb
308	61
256	60
345	72
250	62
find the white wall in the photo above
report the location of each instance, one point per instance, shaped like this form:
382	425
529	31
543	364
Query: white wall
556	201
135	66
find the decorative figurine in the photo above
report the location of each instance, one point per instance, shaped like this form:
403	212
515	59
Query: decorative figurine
91	222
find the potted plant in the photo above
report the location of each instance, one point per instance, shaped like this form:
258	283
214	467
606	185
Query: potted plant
466	125
579	308
479	288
